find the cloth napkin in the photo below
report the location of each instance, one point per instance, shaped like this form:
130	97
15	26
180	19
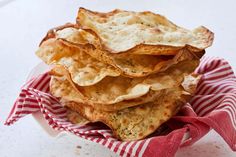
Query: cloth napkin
212	107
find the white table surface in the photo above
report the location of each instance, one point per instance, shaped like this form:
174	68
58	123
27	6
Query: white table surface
23	23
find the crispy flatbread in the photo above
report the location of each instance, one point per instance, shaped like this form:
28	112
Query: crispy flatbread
84	69
189	84
115	93
130	65
142	32
137	122
132	71
62	89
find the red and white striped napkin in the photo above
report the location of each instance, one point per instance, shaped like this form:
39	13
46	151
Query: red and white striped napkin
213	106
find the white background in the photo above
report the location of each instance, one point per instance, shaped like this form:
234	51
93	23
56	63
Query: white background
23	23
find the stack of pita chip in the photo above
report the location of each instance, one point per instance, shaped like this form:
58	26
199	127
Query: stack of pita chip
132	71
